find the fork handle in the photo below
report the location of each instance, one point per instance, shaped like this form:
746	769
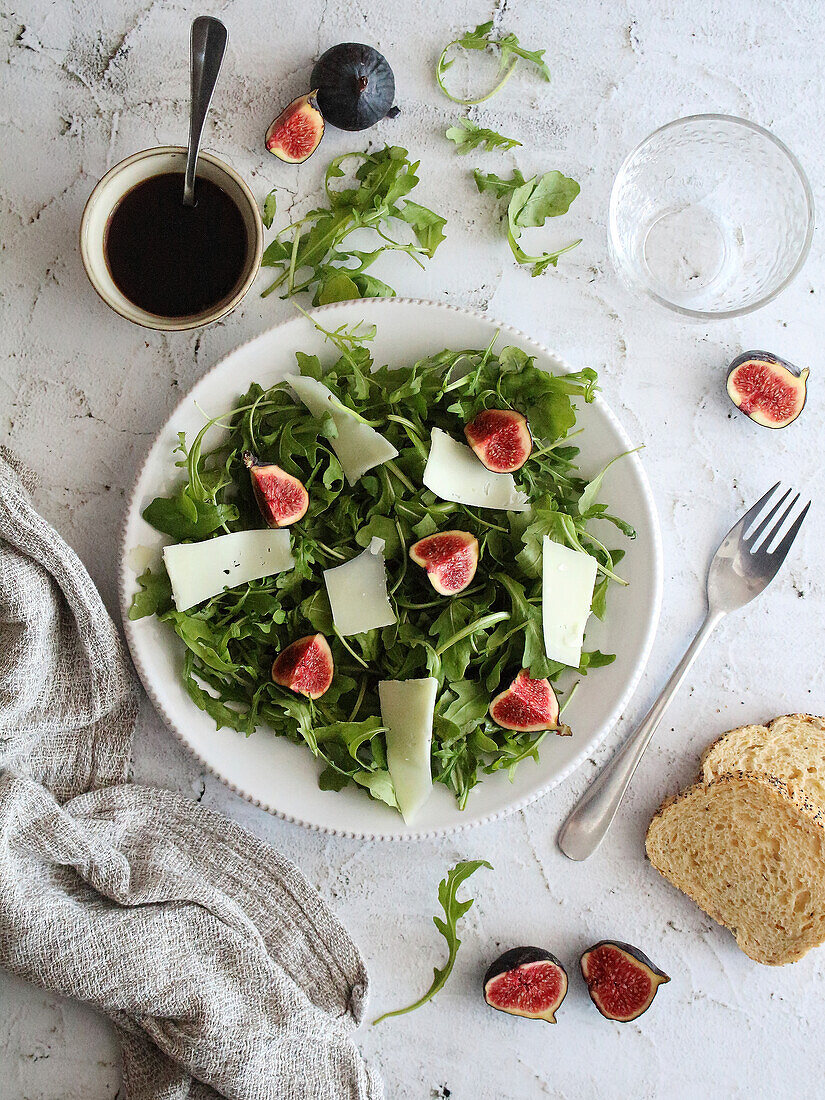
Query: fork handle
585	828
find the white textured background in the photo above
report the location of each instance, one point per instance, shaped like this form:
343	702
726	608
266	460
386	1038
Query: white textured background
86	82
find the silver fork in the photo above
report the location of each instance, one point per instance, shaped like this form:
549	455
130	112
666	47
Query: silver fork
741	568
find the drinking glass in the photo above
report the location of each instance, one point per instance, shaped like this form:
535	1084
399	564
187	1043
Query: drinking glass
711	216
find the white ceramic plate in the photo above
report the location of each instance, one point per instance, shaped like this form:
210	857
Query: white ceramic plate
281	777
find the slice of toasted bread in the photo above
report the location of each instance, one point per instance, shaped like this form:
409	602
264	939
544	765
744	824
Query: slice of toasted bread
752	855
791	747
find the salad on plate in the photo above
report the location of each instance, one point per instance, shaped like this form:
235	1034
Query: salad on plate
393	567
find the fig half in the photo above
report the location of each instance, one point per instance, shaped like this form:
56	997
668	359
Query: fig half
355	85
526	981
501	439
282	498
621	979
450	558
768	390
528	705
305	666
297	131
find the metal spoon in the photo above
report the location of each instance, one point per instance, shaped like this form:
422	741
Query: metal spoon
207	45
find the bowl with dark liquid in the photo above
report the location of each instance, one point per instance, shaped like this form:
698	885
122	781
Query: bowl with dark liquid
159	263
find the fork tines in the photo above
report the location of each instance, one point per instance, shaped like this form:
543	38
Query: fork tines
754	541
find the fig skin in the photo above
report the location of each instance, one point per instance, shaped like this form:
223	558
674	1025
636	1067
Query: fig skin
297	131
305	666
439	552
279	509
528	958
769	391
355	85
501	439
533	705
631	956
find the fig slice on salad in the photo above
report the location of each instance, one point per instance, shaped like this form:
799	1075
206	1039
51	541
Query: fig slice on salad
527	705
768	390
282	498
450	558
501	439
526	981
297	131
621	979
305	666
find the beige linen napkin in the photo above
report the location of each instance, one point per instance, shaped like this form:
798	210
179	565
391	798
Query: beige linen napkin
223	970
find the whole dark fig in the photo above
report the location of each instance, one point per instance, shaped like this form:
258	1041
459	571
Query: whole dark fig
355	86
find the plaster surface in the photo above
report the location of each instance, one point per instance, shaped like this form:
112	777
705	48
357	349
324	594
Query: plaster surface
84	83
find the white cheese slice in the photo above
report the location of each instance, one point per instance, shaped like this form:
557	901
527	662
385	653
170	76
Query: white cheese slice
357	592
358	446
407	711
199	570
454	473
568	577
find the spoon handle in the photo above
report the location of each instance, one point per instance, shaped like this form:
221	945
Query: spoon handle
207	45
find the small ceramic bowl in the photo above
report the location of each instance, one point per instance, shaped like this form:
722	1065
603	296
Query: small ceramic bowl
117	182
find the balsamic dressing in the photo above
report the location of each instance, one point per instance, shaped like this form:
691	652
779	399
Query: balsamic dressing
171	259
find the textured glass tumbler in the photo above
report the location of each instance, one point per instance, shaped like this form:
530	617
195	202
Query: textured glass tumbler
711	216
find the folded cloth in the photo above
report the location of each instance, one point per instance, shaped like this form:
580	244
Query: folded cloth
222	969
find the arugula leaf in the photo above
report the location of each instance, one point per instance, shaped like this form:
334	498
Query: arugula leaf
154	596
587	500
549	196
510	51
469	135
489	181
312	254
185	518
453	911
270	208
530	203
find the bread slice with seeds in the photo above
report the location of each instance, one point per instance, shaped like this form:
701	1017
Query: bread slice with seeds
751	853
791	747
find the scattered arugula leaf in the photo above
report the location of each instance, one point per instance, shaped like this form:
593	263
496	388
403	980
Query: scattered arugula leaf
453	911
530	203
482	38
474	643
469	135
270	208
311	254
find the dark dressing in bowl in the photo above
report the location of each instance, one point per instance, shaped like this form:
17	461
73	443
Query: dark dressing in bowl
171	259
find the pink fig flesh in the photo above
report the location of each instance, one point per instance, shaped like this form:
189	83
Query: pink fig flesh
282	498
528	705
305	666
501	439
621	979
526	981
450	558
297	131
768	391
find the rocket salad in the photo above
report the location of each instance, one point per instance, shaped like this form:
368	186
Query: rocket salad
472	643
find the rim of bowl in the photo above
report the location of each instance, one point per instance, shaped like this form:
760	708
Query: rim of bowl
175	324
739	311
